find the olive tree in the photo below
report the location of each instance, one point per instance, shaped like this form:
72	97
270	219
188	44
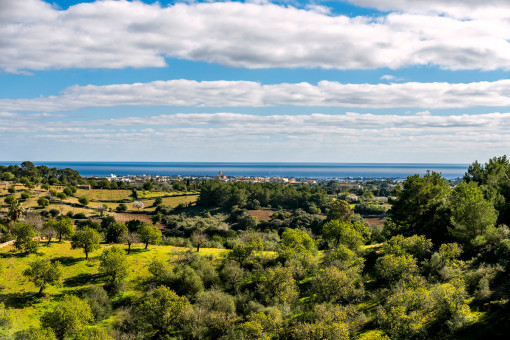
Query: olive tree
43	273
113	265
88	239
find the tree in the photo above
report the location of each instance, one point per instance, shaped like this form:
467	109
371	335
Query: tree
130	237
160	312
158	201
352	235
9	199
15	211
418	246
64	227
43	273
335	285
149	234
278	286
99	302
138	205
113	265
296	242
26	195
62	196
471	214
36	334
121	207
198	238
68	191
25	234
83	200
420	206
392	268
113	232
88	239
101	208
49	229
148	186
340	210
68	318
43	202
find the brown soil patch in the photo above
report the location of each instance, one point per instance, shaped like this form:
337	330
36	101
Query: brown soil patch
375	220
125	217
262	215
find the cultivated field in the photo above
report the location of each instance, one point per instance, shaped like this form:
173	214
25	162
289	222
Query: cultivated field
19	294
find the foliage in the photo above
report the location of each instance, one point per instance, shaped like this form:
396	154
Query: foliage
113	265
340	211
36	334
160	312
100	303
64	227
25	234
113	232
149	234
352	235
43	273
472	215
88	239
83	200
43	202
420	206
68	318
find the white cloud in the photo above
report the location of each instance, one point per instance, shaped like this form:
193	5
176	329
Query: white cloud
252	94
244	137
119	34
458	8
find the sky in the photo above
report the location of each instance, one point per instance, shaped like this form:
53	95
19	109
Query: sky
337	81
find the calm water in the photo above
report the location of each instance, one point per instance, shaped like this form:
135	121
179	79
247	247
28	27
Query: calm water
312	170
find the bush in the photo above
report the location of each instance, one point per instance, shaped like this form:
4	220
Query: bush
80	216
26	195
99	302
43	202
9	199
121	207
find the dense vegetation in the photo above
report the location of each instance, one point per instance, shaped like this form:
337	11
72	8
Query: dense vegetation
315	268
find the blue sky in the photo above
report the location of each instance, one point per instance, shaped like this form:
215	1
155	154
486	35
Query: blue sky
255	81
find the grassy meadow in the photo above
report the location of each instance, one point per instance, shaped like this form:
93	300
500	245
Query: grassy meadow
19	294
97	197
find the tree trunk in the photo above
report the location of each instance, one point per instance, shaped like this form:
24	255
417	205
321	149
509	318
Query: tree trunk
129	248
146	245
60	237
49	239
86	255
40	291
198	247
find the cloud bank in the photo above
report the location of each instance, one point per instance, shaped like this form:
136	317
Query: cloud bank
120	34
252	94
244	137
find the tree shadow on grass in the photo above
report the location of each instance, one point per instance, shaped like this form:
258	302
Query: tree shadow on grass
67	260
137	251
20	300
82	279
12	254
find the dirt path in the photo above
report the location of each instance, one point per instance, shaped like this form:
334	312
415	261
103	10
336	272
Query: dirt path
5	244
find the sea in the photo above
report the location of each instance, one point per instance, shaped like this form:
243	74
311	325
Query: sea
297	170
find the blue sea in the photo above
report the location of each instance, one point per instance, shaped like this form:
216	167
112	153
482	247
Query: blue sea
299	170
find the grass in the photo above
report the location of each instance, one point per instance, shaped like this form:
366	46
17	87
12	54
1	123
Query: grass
20	294
154	194
110	198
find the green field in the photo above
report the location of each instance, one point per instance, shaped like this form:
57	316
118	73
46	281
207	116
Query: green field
110	198
19	294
